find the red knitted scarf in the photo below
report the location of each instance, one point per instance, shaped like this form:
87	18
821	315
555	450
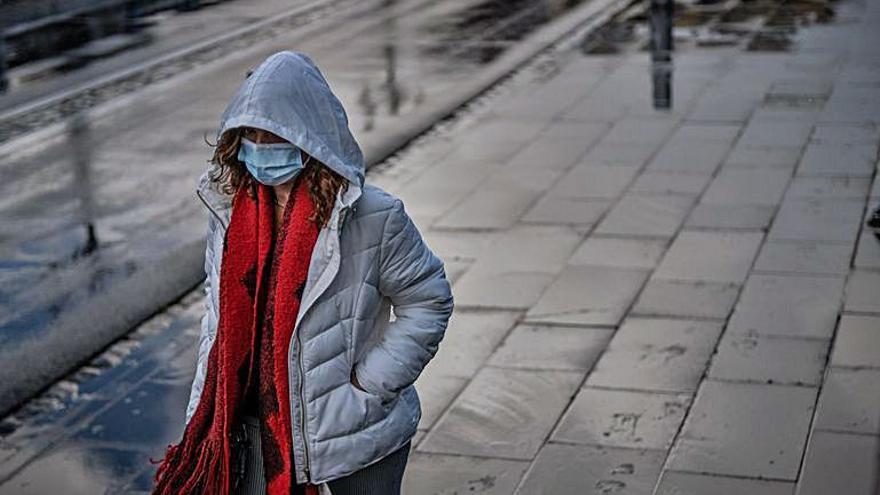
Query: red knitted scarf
261	283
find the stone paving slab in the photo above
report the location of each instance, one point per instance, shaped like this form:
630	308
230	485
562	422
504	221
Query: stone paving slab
637	131
849	160
846	134
768	156
436	393
857	343
438	192
689	156
488	208
817	220
748	430
850	401
743	186
557	148
473	149
775	134
470	339
509	289
788	306
840	463
583	212
559	468
670	183
588	295
517	266
861	292
594	181
646	216
726	105
828	188
457	245
710	256
661	355
706	132
505	413
695	299
868	250
770	360
441	474
805	257
549	347
619	252
677	483
730	217
620	418
624	155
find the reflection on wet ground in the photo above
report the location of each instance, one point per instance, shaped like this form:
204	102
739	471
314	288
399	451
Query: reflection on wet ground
452	32
88	213
133	394
43	115
96	431
754	25
487	28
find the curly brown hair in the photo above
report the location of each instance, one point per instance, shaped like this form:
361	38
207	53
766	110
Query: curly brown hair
229	173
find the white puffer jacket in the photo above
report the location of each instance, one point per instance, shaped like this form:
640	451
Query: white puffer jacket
368	258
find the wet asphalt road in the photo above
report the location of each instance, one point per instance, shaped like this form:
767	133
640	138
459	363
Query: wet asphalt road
168	31
93	244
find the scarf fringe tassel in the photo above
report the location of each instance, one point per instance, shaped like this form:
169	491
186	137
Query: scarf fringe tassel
209	474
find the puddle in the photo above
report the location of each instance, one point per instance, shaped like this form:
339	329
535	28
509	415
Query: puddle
54	112
751	25
85	384
756	25
489	27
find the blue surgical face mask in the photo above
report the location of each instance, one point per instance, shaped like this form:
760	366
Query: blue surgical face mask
271	163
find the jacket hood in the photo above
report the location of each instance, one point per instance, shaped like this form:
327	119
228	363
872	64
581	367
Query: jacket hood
288	95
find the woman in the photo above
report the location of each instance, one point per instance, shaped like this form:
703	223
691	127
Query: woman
298	358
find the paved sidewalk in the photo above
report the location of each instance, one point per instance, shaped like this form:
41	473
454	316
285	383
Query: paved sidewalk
669	303
647	302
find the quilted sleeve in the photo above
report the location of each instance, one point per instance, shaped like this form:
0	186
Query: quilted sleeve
208	325
414	279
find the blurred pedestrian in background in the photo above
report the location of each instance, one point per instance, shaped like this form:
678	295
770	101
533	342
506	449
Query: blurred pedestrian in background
303	381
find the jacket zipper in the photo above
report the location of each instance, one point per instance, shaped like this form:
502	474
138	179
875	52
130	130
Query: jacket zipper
302	376
302	379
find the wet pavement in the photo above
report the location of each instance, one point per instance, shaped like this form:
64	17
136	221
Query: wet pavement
473	33
97	236
648	301
162	33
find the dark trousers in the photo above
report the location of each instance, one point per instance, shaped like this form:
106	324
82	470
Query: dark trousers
382	477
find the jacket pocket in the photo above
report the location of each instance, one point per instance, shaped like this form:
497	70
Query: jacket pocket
373	406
